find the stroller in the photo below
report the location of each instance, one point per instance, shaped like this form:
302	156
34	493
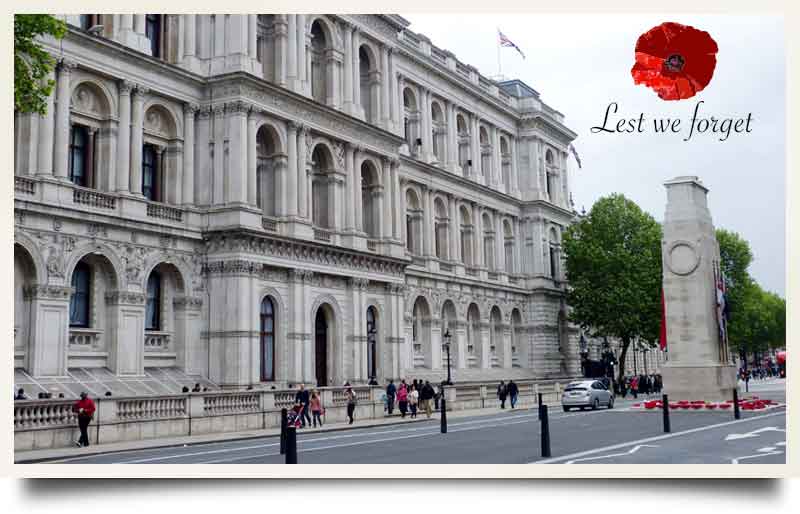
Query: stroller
293	419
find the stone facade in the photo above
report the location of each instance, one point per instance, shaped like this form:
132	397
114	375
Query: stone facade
267	199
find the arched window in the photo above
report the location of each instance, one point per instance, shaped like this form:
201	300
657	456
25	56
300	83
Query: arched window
150	172
369	86
319	63
267	340
508	240
413	223
463	145
441	228
153	304
370	200
438	131
152	29
466	237
488	242
78	156
372	343
81	299
553	254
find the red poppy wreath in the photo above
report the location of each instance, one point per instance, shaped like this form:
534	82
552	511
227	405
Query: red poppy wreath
676	61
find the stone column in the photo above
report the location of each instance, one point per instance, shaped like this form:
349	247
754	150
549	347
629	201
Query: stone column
292	169
49	329
303	190
357	158
252	35
455	231
349	61
158	185
385	200
292	51
452	138
397	207
252	160
136	140
124	137
475	147
427	224
189	111
91	180
202	158
281	32
125	331
62	119
385	81
459	360
499	243
513	188
427	127
217	166
356	79
301	52
497	165
189	36
391	78
478	224
507	361
237	134
188	316
485	342
139	23
46	128
350	207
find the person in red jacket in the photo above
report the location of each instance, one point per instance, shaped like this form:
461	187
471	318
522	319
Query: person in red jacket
85	410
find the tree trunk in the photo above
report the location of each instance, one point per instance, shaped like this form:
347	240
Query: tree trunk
622	354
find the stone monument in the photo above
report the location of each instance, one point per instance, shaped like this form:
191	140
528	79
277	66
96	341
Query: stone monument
698	366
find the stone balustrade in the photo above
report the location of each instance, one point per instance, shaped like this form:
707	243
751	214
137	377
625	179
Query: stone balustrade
84	338
24	185
164	211
92	198
156	341
321	234
51	423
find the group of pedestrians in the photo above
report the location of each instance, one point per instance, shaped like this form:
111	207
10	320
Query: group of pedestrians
411	397
508	391
641	384
306	401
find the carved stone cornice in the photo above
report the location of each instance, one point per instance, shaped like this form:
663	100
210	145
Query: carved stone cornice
125	87
358	283
124	298
189	303
45	291
302	252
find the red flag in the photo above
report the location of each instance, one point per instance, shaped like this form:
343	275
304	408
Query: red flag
662	343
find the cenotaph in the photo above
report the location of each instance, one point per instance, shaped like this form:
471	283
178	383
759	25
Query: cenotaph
698	365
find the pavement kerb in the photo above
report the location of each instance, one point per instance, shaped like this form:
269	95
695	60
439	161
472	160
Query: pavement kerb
54	454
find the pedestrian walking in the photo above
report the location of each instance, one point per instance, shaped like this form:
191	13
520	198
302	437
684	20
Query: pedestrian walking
352	400
302	397
85	410
635	387
413	400
427	395
502	392
402	399
513	393
316	408
391	392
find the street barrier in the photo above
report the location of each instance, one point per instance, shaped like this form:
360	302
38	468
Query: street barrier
291	445
545	432
665	410
540	406
443	403
284	414
736	413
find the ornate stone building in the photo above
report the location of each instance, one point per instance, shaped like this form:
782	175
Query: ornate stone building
267	199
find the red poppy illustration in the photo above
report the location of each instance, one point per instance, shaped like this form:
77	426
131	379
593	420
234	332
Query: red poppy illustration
676	61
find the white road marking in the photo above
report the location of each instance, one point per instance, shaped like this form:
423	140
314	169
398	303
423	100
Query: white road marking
656	438
631	452
767	449
782	443
754	433
737	459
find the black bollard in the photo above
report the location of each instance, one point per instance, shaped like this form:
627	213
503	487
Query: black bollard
736	413
283	430
291	445
545	432
443	404
665	408
540	406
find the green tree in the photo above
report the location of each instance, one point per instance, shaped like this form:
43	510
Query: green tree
31	62
613	268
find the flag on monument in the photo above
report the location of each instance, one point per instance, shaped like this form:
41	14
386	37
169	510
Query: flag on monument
575	154
662	341
504	41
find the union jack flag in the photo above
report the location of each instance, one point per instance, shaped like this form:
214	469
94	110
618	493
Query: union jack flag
504	41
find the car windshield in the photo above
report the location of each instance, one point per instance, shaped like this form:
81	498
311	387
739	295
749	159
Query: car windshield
575	388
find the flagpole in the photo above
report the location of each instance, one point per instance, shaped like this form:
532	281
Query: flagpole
499	67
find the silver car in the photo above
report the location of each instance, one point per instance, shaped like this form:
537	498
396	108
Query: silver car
586	393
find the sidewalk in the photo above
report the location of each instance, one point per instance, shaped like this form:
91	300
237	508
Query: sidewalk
33	456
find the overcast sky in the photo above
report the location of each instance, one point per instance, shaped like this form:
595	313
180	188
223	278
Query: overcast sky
581	63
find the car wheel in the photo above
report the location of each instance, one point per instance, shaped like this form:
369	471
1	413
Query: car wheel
610	402
595	404
566	409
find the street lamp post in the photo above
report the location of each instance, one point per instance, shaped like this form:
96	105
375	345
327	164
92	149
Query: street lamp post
447	348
